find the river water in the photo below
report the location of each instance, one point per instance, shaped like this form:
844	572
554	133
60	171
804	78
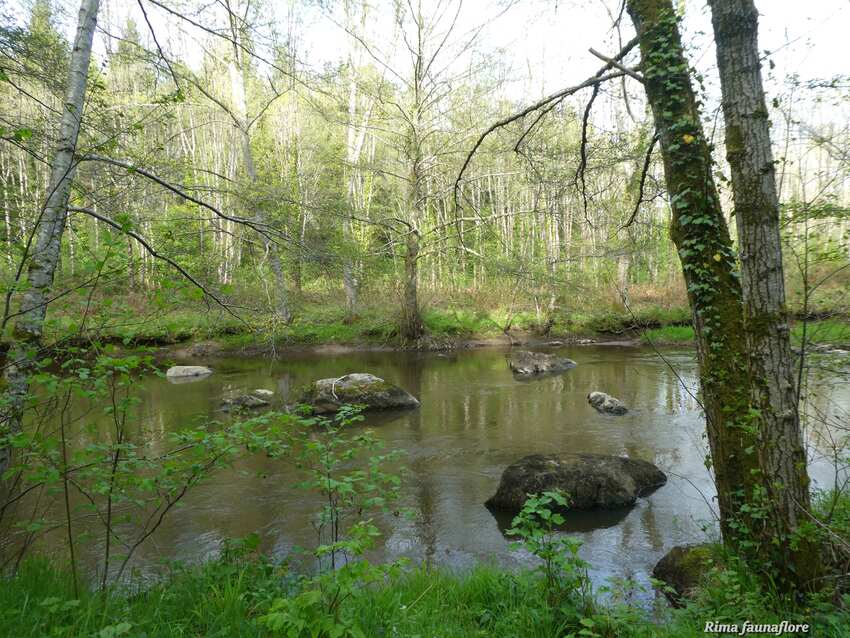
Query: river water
475	419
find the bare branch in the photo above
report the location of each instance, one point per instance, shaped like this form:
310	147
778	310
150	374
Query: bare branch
582	165
612	62
153	253
598	78
647	160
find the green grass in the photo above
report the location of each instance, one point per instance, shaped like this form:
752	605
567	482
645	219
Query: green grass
140	328
317	323
668	334
226	598
827	331
229	596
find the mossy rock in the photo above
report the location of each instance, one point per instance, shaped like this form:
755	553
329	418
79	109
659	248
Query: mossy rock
525	364
683	569
358	388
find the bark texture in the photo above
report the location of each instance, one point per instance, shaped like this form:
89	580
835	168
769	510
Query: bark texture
702	241
412	327
48	237
782	456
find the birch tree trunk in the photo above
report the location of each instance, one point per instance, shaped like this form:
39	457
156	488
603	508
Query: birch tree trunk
782	456
698	229
46	252
236	69
355	138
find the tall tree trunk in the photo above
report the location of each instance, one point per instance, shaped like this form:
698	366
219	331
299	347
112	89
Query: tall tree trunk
355	138
412	327
699	231
44	261
240	115
782	456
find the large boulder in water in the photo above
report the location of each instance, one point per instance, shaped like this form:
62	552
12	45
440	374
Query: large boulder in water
606	404
328	395
525	363
682	569
589	480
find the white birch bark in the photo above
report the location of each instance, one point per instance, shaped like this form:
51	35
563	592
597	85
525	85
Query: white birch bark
236	70
45	255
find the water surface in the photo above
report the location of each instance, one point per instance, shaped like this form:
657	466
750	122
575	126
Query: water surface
475	419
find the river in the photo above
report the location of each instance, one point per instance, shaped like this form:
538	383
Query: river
474	420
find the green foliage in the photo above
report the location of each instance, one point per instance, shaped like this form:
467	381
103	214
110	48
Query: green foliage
129	481
351	481
460	323
565	574
827	331
668	334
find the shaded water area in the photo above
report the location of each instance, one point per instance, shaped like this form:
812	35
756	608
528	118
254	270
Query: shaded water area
475	419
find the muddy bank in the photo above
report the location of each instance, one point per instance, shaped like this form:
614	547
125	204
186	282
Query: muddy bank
220	348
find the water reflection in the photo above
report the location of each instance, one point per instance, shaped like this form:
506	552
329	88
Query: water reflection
574	520
475	419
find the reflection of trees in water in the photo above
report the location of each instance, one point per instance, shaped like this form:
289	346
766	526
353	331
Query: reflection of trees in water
284	387
825	415
410	377
474	420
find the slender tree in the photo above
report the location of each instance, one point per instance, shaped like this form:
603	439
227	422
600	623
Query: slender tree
44	259
237	67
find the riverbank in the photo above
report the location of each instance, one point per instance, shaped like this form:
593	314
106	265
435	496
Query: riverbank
242	594
192	333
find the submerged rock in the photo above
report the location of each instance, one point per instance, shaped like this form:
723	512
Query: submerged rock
178	374
682	569
589	480
525	363
606	403
328	395
243	401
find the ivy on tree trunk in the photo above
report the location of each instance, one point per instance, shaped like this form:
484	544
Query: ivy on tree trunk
782	457
705	250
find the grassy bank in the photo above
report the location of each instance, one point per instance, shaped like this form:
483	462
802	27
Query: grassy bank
244	594
238	598
318	322
815	332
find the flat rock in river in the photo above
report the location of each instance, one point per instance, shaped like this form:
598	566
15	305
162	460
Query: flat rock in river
589	480
184	374
328	395
525	363
243	401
